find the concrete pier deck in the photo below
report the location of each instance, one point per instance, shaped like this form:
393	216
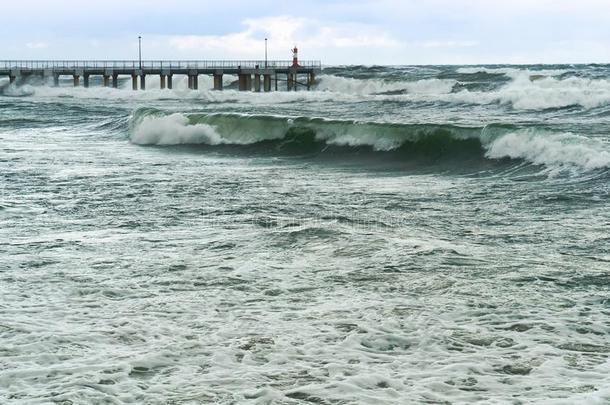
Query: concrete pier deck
266	74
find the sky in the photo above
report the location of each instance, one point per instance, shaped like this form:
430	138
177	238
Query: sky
337	32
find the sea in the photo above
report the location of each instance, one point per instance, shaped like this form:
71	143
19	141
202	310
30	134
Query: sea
396	235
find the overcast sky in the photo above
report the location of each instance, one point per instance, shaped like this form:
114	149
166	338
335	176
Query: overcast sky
335	31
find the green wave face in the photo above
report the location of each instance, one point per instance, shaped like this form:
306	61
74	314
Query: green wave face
404	144
233	129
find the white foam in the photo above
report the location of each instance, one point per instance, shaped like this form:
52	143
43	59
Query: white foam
539	90
18	91
177	129
173	129
556	151
510	71
348	85
359	135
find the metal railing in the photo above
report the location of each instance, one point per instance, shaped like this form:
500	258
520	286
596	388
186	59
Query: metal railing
153	64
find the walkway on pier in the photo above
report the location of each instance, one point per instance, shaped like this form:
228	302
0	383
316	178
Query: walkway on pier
253	75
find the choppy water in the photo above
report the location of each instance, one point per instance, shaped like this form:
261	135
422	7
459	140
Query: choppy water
398	235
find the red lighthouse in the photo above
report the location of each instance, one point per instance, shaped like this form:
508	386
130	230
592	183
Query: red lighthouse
295	57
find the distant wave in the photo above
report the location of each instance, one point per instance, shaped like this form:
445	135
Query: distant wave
519	89
554	151
531	90
526	89
378	86
510	71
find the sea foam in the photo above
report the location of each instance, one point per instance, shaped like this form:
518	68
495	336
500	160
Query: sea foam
348	85
556	151
173	129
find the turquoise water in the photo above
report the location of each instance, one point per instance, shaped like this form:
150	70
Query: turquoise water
397	235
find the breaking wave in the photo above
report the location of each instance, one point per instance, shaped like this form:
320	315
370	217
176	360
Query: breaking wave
379	86
521	89
525	89
510	71
540	92
554	151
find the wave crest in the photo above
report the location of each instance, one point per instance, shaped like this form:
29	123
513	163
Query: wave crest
172	129
348	85
556	152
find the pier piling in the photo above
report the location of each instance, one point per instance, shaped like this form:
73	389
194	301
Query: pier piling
245	82
218	81
257	82
267	83
289	82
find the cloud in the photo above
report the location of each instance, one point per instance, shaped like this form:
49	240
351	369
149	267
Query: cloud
448	44
335	31
36	45
285	31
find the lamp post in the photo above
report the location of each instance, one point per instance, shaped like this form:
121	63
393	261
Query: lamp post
265	53
140	51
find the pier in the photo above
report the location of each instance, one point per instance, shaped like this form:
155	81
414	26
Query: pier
251	75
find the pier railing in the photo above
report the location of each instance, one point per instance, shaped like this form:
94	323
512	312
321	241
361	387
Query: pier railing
154	64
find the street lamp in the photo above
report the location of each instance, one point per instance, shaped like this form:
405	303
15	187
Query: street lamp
140	51
265	53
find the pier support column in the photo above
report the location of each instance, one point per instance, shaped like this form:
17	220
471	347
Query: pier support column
134	82
290	82
170	82
86	81
162	82
14	76
245	82
76	80
257	82
47	75
312	79
115	81
142	82
241	78
106	81
267	83
56	80
276	81
218	81
195	82
190	82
